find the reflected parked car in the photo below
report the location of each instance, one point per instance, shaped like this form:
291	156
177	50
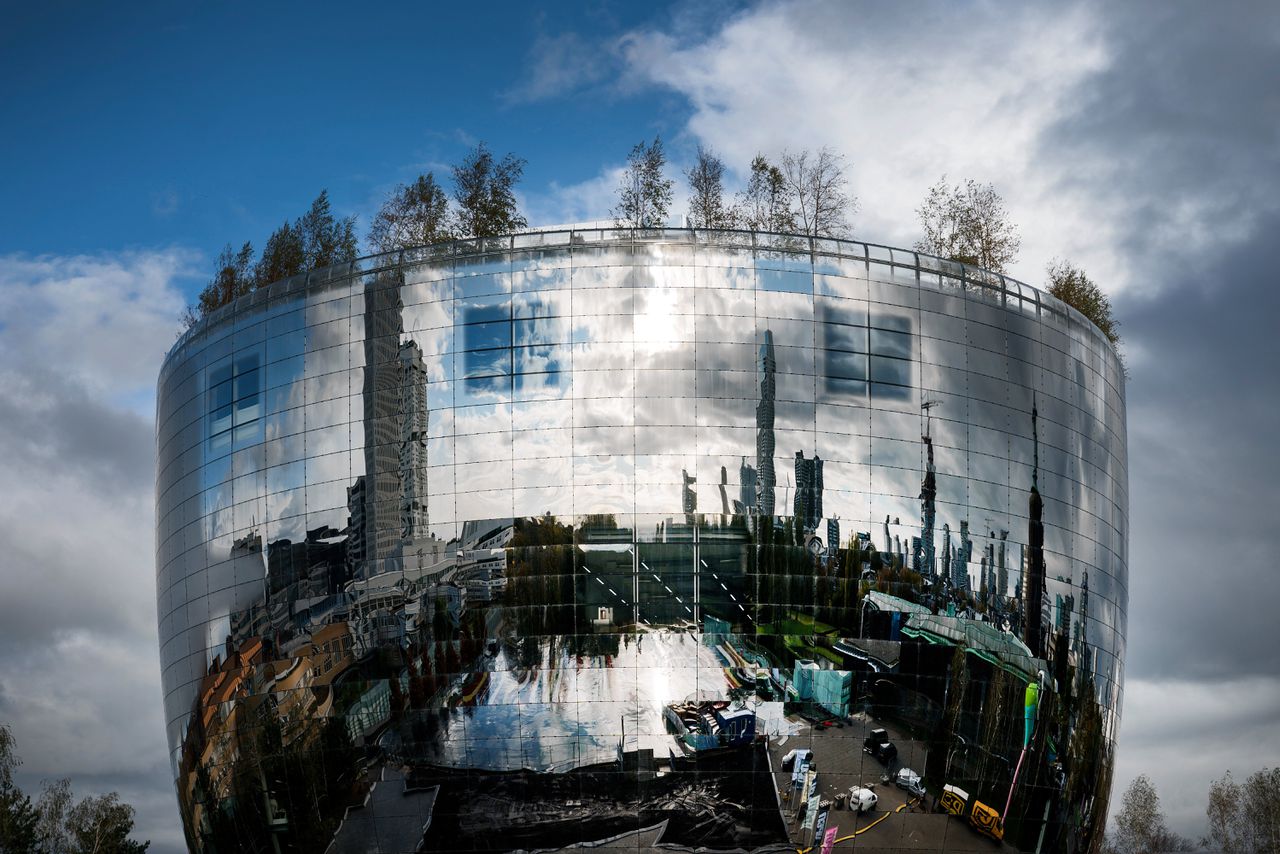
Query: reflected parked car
909	781
862	799
879	746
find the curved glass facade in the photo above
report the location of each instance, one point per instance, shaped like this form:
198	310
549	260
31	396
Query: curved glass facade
572	536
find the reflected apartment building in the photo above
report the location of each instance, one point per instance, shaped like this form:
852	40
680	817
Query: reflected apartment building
563	537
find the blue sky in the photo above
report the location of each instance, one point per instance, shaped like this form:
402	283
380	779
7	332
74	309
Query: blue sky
1138	140
198	124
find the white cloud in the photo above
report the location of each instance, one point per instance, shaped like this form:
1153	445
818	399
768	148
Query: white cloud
1098	130
962	90
105	321
80	348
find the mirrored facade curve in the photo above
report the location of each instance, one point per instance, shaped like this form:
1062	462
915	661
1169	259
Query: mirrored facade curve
726	540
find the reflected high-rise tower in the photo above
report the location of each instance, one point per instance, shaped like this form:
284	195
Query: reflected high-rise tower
765	477
928	493
558	625
413	442
383	425
808	497
746	503
961	565
1034	589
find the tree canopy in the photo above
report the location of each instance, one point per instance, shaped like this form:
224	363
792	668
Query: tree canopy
1139	827
483	187
816	184
57	824
412	215
644	193
707	206
1244	817
1069	283
763	204
968	223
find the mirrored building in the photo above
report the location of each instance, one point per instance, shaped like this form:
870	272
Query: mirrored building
700	539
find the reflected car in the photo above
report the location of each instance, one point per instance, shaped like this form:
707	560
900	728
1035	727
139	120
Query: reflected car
909	781
862	799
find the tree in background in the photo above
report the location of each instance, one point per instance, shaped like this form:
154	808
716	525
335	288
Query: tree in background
763	204
1245	818
816	184
644	194
1139	827
707	208
57	824
1069	283
19	820
483	189
413	215
969	224
326	239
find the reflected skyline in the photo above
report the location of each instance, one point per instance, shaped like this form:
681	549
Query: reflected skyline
494	564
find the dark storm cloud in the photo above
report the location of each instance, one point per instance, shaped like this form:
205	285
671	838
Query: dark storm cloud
1176	141
1204	416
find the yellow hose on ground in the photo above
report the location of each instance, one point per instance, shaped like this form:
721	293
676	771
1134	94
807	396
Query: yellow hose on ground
860	831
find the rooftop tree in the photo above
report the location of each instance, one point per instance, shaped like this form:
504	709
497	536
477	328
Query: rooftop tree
644	194
483	187
764	205
235	278
1069	283
412	215
283	255
969	224
707	207
816	184
325	238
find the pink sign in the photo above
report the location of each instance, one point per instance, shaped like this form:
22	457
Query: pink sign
829	839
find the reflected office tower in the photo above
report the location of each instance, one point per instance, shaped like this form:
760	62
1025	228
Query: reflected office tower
928	493
946	551
766	479
961	566
1002	571
688	498
413	442
383	489
808	497
724	490
610	661
746	503
1033	601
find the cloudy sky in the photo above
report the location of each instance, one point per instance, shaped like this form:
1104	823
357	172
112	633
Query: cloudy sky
1141	142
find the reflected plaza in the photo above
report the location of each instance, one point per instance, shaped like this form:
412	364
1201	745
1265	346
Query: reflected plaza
611	539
